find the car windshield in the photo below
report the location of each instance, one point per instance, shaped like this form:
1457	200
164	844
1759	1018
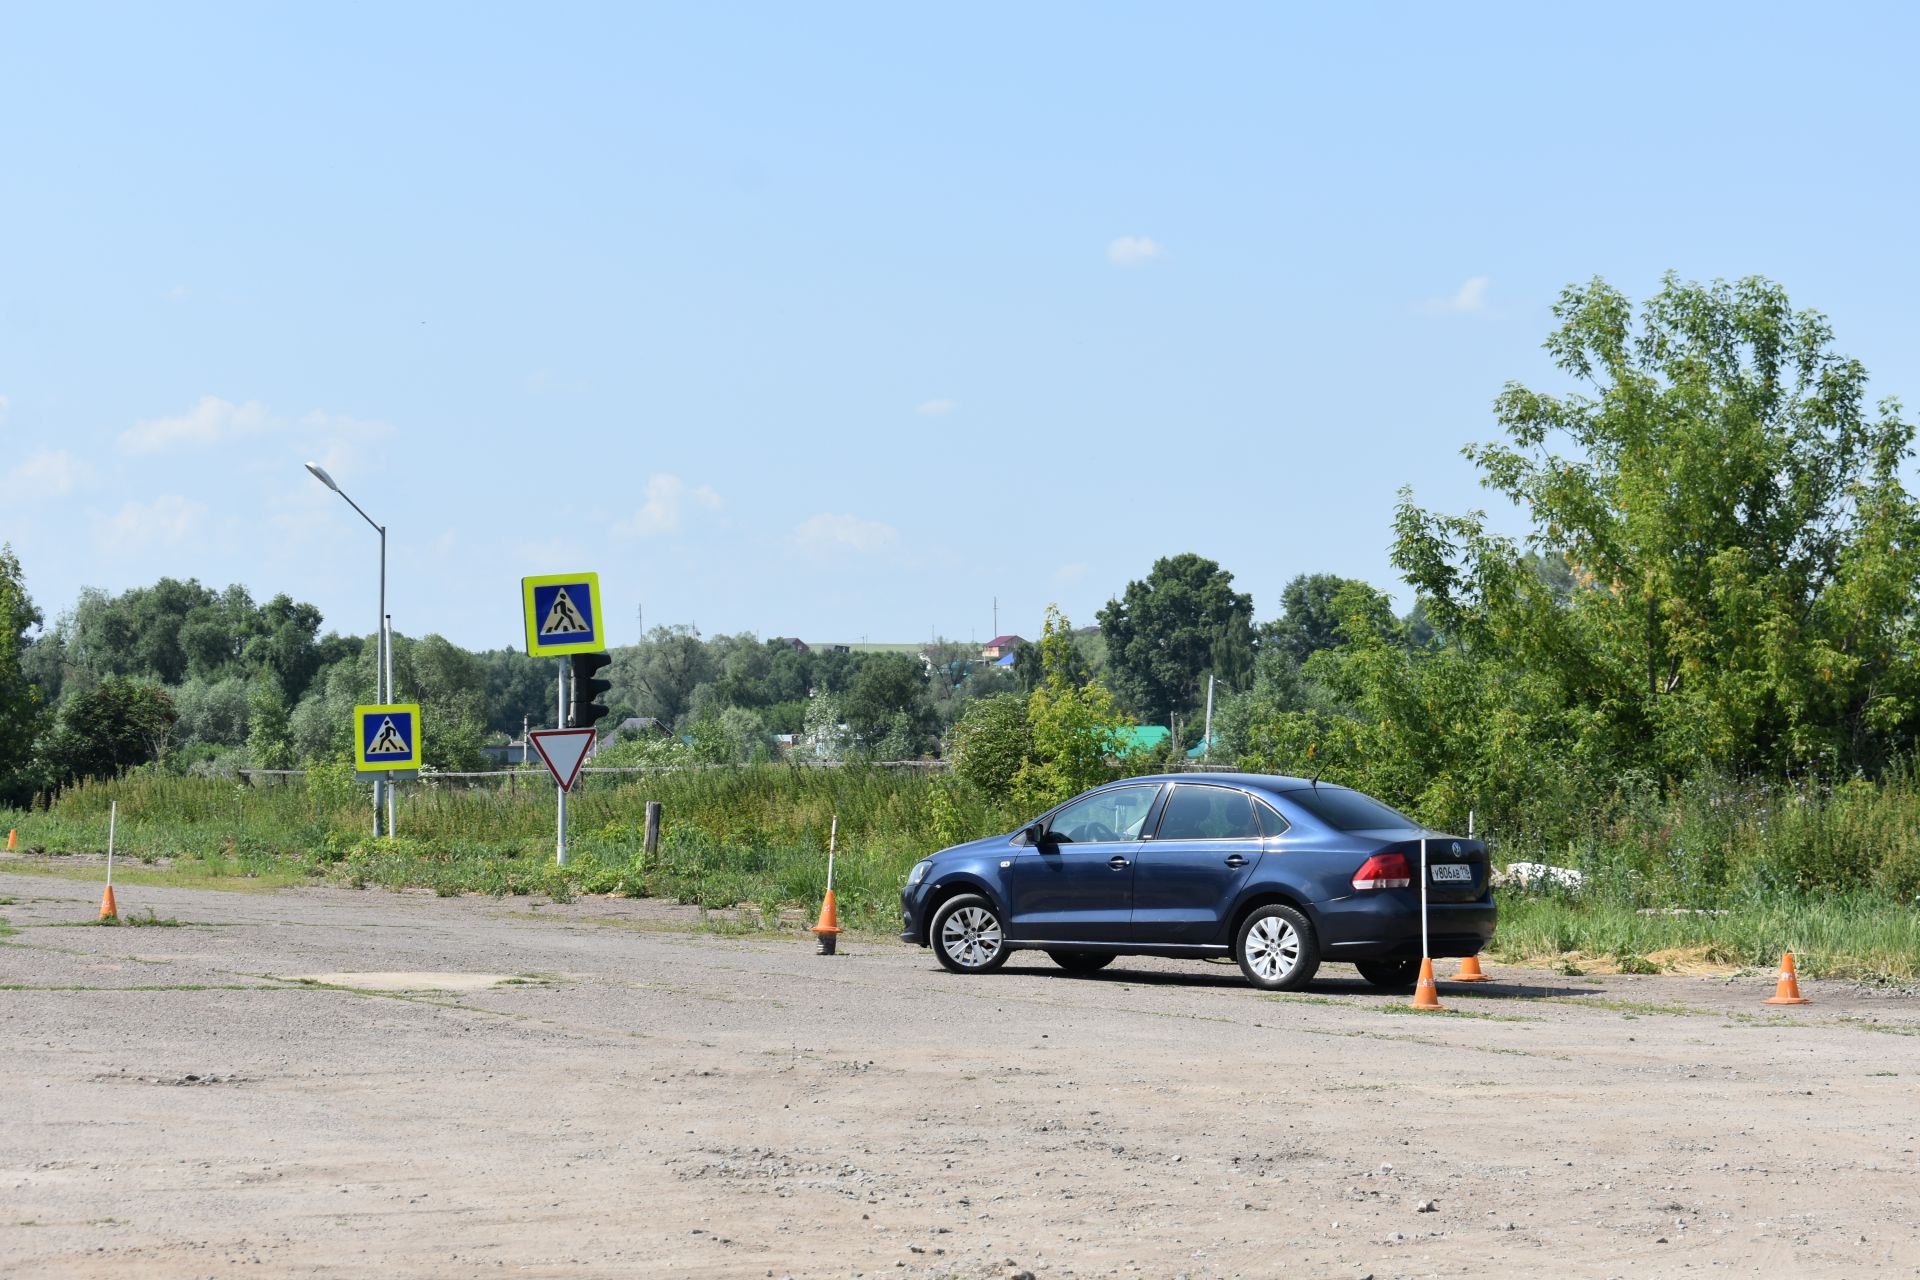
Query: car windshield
1345	810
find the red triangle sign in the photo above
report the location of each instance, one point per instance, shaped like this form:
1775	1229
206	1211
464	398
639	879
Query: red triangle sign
563	750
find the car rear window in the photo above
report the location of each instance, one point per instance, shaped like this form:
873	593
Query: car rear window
1345	810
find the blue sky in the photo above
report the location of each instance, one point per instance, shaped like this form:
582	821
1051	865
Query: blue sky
842	321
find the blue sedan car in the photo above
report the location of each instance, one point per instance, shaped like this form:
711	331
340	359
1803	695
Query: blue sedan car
1279	873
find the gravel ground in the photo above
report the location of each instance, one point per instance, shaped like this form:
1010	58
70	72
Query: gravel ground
509	1086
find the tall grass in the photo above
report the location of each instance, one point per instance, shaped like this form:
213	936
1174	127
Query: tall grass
753	835
1832	872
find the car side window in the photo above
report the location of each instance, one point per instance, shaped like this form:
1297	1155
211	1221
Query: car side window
1270	820
1110	815
1208	813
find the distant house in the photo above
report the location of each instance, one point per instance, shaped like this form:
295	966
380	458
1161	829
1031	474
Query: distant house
1005	662
1001	647
792	642
507	752
638	726
1140	739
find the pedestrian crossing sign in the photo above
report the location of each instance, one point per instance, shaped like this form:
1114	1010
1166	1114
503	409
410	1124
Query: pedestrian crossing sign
563	614
386	738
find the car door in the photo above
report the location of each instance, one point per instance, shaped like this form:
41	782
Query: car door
1187	874
1076	885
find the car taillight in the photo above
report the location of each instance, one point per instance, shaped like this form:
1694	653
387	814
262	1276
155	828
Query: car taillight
1384	871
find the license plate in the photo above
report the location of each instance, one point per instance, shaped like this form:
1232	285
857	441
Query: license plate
1451	871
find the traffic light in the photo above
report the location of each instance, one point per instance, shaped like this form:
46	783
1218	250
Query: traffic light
587	688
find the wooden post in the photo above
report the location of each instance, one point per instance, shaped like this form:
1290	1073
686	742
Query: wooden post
653	829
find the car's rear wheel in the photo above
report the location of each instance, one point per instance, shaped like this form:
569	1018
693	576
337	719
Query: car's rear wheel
968	935
1080	961
1277	949
1391	974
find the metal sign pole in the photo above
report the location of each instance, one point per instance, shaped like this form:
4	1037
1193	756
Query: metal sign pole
386	637
560	722
1424	953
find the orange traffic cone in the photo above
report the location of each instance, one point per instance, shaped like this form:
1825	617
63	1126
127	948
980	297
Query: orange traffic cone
828	930
12	835
1787	991
108	911
1425	994
1470	971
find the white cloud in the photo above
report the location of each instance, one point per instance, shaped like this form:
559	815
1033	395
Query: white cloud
1470	297
4	402
208	422
179	293
1133	251
166	520
1067	573
46	473
936	408
667	501
826	535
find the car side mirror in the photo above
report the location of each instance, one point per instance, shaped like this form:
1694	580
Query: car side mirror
1034	834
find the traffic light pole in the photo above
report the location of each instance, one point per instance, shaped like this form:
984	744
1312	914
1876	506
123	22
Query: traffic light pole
560	722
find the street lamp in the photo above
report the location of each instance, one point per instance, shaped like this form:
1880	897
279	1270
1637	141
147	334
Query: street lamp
383	652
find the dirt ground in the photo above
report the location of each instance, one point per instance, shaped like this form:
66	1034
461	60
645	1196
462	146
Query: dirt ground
470	1087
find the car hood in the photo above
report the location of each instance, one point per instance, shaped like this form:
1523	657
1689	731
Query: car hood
973	848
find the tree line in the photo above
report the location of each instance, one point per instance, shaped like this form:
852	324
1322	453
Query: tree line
1718	575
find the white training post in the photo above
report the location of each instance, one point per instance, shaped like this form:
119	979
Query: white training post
833	837
113	820
1424	953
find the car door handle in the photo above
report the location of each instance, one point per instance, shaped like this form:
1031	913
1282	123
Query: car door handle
1118	863
1236	861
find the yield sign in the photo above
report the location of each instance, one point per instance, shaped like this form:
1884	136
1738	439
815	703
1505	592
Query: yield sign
563	750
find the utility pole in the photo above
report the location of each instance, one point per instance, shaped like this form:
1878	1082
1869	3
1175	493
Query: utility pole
1206	743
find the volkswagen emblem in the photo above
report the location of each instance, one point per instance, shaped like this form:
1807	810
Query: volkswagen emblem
1456	848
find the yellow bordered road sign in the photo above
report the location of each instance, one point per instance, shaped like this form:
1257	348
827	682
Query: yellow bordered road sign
563	614
386	738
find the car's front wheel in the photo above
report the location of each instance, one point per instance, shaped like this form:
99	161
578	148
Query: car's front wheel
1277	949
1080	961
968	935
1394	975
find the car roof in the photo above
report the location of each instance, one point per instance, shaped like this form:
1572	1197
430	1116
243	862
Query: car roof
1254	781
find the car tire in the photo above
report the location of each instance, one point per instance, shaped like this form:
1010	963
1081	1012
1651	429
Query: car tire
1277	949
968	935
1393	975
1080	961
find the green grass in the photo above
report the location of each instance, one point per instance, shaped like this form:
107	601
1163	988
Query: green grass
1817	872
1856	935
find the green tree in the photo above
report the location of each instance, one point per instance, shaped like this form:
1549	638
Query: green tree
1744	557
269	726
1075	726
659	674
990	743
119	724
21	712
1166	634
1309	618
888	687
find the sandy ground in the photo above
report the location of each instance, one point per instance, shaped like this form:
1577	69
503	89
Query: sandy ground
508	1087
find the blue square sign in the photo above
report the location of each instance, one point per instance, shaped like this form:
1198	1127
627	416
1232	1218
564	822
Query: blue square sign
563	614
387	737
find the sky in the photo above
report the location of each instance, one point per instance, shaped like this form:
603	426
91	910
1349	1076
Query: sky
848	321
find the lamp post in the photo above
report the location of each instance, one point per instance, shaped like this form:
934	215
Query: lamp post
382	662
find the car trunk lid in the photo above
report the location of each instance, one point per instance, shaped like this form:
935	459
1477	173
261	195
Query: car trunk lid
1457	867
